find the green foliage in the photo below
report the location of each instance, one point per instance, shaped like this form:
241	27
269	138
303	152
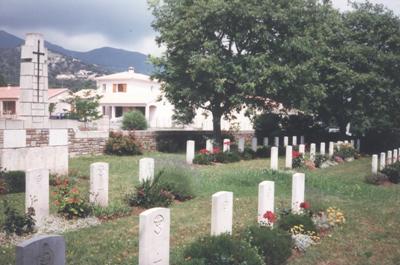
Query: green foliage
392	171
268	124
298	159
84	108
221	250
287	221
52	107
263	151
227	157
203	159
13	181
345	151
134	120
274	245
376	179
17	223
120	144
150	193
248	154
178	181
320	159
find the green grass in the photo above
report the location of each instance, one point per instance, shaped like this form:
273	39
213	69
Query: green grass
370	236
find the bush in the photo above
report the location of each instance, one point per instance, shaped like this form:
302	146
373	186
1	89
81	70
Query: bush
376	179
392	172
345	151
17	223
248	154
320	159
150	193
179	182
221	250
226	157
263	151
119	144
298	159
287	221
274	245
203	159
134	120
13	181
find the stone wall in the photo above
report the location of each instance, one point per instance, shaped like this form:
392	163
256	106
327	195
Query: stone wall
86	142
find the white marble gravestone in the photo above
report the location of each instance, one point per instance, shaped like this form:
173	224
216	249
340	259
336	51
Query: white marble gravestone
294	140
99	184
374	164
302	149
274	158
265	141
331	148
190	151
322	149
352	143
395	156
221	213
298	186
37	193
289	157
358	145
154	236
285	141
209	145
276	141
41	250
266	199
313	151
302	139
382	162
146	169
227	145
389	158
254	144
241	145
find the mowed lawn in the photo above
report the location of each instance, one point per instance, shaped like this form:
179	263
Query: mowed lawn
371	234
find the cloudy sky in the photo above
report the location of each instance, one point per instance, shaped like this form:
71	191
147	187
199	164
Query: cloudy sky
83	25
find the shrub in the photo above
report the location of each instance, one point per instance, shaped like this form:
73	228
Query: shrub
263	151
150	193
178	181
248	153
18	223
393	172
298	159
13	181
119	144
274	245
134	120
345	151
69	202
221	250
376	179
320	159
203	159
287	221
227	157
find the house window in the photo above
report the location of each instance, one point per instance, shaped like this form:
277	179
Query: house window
118	112
104	88
9	107
120	88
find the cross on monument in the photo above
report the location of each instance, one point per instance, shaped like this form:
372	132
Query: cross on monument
38	54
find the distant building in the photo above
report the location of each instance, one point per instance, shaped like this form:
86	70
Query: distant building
9	101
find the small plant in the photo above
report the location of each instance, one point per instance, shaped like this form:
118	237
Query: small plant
320	159
18	223
263	151
13	181
227	157
120	144
302	238
248	154
221	250
69	202
298	159
288	221
335	216
203	157
393	172
179	182
274	245
376	179
134	120
345	151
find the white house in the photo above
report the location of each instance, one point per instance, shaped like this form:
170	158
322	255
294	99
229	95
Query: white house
125	91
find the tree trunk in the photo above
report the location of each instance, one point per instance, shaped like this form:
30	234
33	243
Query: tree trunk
217	129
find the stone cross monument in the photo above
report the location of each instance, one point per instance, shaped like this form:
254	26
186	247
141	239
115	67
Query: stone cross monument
34	82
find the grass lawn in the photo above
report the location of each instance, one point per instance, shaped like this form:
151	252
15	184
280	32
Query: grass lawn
370	236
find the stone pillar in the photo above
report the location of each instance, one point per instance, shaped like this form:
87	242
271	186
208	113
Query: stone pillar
285	141
395	156
331	148
298	186
294	140
389	158
276	141
146	169
227	145
209	145
37	193
189	152
312	151
266	141
374	164
112	112
99	184
274	158
288	160
241	145
382	162
154	234
221	213
302	149
33	100
254	144
322	149
266	198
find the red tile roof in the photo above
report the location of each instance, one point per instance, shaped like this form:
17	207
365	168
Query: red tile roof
13	92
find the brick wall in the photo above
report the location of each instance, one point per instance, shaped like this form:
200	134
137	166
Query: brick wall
88	143
37	137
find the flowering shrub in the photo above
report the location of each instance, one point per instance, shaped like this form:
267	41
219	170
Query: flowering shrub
345	151
69	202
269	219
393	172
303	239
203	159
120	144
335	216
298	159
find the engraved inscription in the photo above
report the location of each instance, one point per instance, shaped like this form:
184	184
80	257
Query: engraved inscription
158	223
46	255
38	178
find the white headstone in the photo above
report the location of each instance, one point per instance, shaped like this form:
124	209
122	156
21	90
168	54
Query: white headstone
227	145
382	162
302	149
302	139
285	141
37	193
276	141
374	164
294	140
266	141
241	145
313	150
331	148
298	186
274	158
209	145
254	144
266	198
154	233
189	152
352	143
288	160
99	184
146	169
358	145
221	213
322	149
395	156
389	158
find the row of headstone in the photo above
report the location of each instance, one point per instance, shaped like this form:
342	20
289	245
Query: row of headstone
384	159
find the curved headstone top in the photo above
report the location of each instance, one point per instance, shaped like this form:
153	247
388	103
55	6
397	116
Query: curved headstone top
44	249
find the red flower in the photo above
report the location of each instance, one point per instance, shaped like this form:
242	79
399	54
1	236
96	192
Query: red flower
216	150
305	205
270	216
203	151
295	154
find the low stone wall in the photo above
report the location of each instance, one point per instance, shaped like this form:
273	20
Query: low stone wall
86	142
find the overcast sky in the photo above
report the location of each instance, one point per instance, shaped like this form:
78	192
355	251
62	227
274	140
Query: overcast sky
83	25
